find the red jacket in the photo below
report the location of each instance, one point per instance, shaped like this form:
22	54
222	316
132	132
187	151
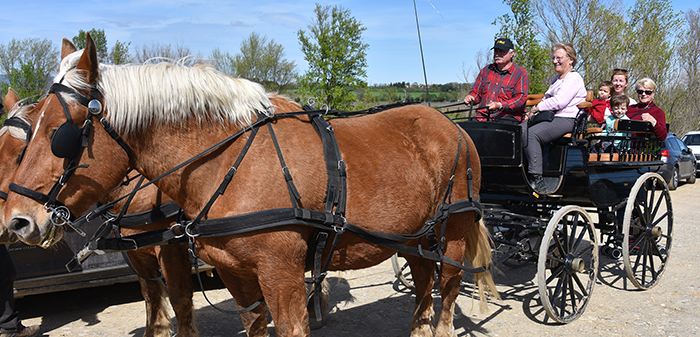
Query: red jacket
597	111
635	113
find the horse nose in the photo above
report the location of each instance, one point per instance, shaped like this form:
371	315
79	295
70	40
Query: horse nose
17	224
22	227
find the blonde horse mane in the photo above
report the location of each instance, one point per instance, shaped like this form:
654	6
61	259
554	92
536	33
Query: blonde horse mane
21	111
168	93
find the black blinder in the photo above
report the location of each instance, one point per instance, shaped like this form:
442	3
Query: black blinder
66	141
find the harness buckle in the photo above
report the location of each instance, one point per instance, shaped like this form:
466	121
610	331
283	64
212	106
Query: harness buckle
340	229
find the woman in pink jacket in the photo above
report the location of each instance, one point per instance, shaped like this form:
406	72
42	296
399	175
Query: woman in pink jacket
565	92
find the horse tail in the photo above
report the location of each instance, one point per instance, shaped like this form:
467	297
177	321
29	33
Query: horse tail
478	251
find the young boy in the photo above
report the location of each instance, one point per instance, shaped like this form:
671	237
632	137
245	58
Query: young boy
601	105
619	104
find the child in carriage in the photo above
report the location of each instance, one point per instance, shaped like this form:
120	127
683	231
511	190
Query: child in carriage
619	105
601	105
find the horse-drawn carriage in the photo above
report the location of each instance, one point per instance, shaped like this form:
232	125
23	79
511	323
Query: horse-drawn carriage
630	204
403	180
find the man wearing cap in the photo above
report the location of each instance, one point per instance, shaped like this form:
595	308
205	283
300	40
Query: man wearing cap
501	87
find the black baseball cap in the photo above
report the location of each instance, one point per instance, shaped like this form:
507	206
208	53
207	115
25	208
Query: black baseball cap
503	44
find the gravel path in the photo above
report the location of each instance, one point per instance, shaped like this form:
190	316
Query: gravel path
370	302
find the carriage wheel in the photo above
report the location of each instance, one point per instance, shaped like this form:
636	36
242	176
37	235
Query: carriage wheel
567	265
402	270
647	230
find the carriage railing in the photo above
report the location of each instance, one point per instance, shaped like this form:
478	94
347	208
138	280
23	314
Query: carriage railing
624	149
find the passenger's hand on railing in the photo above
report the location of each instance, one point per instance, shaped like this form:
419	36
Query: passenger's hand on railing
649	118
469	99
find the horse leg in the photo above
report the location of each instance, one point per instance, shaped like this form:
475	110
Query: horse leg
473	244
174	262
245	293
157	320
285	293
422	271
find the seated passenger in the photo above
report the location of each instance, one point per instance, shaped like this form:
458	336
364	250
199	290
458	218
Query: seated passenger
565	92
646	110
601	105
619	104
501	87
619	80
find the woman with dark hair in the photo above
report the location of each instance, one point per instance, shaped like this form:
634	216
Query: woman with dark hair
565	92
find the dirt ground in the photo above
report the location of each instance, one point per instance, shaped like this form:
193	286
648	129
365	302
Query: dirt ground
371	302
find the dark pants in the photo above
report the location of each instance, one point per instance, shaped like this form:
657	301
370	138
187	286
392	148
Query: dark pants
9	322
542	134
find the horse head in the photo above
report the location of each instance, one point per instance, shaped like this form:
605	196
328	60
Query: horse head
71	159
13	139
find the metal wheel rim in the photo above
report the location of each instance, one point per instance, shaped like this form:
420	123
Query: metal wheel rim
564	292
645	258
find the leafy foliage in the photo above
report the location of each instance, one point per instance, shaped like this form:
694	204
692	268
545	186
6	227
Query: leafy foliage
336	54
261	61
530	53
98	35
28	81
27	64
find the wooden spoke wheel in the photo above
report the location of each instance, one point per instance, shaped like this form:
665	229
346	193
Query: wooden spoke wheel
402	270
647	230
567	265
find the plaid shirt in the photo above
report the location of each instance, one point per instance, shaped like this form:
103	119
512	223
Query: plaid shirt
509	87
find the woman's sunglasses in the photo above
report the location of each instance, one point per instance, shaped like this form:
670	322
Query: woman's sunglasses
620	69
647	92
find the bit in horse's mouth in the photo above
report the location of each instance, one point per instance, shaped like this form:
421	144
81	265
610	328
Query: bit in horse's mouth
49	238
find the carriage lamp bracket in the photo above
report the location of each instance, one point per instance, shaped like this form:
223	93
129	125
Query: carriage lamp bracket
178	229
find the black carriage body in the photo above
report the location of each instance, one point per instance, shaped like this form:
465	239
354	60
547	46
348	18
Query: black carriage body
580	182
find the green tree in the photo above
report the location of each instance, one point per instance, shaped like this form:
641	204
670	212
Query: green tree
29	81
100	38
683	95
120	53
530	53
336	54
653	26
28	63
259	60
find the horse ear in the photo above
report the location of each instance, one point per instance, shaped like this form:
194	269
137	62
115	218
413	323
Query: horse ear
88	61
67	48
11	98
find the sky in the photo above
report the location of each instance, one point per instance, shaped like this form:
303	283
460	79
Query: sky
453	32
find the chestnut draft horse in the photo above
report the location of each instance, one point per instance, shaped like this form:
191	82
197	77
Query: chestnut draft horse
145	261
401	164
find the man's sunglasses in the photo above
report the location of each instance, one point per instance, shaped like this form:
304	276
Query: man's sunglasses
647	92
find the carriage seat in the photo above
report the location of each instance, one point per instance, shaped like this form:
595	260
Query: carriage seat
637	128
576	134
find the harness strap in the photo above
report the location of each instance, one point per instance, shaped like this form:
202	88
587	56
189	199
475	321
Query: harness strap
335	166
227	179
156	214
245	223
294	195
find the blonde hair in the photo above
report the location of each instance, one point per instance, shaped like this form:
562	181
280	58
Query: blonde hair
646	83
569	49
